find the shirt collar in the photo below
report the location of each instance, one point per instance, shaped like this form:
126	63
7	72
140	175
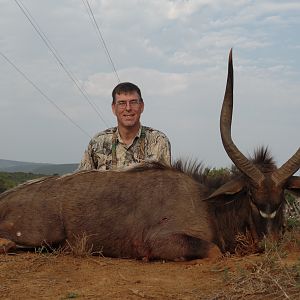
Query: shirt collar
138	135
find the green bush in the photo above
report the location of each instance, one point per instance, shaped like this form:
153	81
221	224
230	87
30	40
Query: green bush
10	180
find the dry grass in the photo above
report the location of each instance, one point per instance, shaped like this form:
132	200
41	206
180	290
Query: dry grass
270	276
78	247
246	244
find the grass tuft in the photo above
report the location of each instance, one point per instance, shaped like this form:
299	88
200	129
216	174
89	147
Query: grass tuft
270	276
80	246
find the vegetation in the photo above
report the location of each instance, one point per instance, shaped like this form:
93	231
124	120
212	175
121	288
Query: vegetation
10	180
219	172
292	211
273	274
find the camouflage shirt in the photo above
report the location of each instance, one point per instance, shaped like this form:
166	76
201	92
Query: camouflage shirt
107	151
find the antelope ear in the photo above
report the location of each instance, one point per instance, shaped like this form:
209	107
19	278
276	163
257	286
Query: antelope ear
230	188
293	184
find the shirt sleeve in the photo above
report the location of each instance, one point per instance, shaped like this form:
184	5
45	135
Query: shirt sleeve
165	151
159	148
87	162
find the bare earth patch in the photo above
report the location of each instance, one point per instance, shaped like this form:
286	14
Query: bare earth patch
272	275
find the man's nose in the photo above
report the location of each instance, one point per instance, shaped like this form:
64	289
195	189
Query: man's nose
128	106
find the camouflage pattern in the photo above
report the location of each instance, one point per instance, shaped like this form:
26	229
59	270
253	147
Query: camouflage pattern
99	152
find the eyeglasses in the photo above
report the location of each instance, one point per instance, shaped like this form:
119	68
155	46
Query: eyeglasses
123	103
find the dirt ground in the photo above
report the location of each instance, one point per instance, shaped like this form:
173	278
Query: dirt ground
25	275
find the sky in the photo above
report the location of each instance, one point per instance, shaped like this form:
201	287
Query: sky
176	51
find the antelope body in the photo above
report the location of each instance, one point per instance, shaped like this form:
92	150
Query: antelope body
153	211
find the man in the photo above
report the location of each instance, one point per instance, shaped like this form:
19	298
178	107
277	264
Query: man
129	142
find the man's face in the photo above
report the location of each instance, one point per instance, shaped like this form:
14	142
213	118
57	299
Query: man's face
128	109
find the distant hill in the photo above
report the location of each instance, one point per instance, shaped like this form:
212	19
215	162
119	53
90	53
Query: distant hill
36	168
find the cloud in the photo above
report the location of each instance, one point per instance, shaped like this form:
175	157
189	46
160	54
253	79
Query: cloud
101	84
284	6
182	9
176	51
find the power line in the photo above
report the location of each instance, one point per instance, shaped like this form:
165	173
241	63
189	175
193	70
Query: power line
42	35
42	93
56	55
100	36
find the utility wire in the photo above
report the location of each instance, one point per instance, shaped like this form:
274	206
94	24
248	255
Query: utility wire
100	36
42	93
38	27
57	57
